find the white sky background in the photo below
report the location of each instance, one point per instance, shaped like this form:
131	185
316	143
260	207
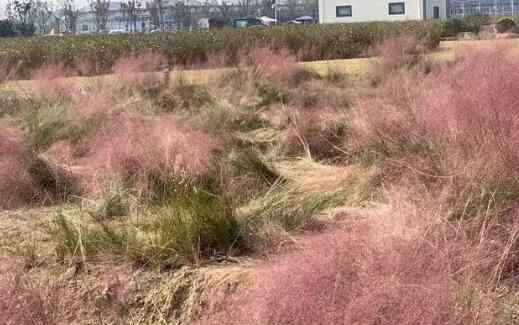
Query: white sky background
2	8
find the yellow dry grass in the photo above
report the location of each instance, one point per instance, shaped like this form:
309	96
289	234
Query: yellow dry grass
310	177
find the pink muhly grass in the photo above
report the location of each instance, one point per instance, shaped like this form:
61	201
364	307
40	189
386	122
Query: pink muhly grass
16	185
145	62
468	111
52	71
397	48
50	80
277	66
138	148
7	71
352	278
472	114
21	302
394	54
93	105
140	70
476	101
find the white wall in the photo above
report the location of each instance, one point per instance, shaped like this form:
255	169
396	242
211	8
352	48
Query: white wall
368	10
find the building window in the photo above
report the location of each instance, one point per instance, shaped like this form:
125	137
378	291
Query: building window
343	11
84	27
436	12
397	8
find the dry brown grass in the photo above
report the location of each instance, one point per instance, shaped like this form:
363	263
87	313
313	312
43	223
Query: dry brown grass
17	186
21	301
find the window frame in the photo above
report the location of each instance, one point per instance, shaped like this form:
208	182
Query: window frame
341	7
392	13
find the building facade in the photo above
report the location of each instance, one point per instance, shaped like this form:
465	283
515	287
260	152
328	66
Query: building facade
347	11
463	8
116	19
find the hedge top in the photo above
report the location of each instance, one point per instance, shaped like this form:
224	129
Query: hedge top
315	42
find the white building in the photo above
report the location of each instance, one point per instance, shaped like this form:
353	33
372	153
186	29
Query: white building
115	20
348	11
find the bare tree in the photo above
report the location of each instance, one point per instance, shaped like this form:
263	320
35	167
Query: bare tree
310	7
160	8
156	8
292	6
70	16
126	15
100	10
245	7
224	10
21	13
41	13
267	7
154	14
182	15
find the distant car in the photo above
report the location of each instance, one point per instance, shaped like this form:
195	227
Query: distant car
305	20
116	31
247	22
154	31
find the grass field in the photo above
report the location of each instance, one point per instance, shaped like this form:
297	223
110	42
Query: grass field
378	191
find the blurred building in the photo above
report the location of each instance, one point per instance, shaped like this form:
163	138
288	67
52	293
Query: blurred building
462	8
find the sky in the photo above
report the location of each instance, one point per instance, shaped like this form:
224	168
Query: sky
2	8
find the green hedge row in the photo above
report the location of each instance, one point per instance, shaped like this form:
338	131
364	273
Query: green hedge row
316	42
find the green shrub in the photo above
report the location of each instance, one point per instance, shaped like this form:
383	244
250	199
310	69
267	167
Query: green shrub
504	25
100	52
475	23
453	26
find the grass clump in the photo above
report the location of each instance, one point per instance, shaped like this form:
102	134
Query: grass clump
183	95
47	125
52	122
303	193
12	104
187	230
